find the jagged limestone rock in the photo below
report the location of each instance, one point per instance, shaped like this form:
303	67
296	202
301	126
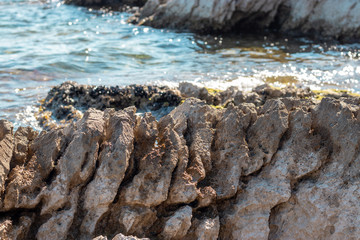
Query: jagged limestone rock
6	151
286	168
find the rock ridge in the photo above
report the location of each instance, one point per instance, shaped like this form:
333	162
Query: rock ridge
319	18
264	167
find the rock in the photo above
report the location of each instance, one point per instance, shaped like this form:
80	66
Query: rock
78	162
6	151
285	168
265	134
23	139
5	229
100	238
204	229
136	220
113	163
65	101
11	230
323	18
206	197
26	182
301	154
123	237
266	91
58	226
208	229
193	122
328	197
230	151
178	224
210	96
148	187
120	237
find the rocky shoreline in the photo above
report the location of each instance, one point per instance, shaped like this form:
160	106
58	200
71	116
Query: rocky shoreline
322	19
317	18
267	164
67	102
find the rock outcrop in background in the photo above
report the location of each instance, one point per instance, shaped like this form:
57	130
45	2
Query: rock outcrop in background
320	18
325	19
107	3
68	101
287	168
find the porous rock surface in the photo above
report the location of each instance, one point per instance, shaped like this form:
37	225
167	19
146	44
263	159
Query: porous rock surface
68	101
288	168
325	18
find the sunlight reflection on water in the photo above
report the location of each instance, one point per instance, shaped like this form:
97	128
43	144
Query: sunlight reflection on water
44	43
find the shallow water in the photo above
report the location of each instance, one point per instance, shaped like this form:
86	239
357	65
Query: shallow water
43	44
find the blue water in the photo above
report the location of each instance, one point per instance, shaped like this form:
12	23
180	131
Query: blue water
44	43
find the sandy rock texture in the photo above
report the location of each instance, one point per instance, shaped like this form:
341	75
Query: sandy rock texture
324	18
273	166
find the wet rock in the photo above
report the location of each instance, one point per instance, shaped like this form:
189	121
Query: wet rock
67	101
323	18
257	96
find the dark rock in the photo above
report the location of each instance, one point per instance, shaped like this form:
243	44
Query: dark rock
69	100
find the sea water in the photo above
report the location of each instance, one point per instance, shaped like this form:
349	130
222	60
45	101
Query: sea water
44	43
